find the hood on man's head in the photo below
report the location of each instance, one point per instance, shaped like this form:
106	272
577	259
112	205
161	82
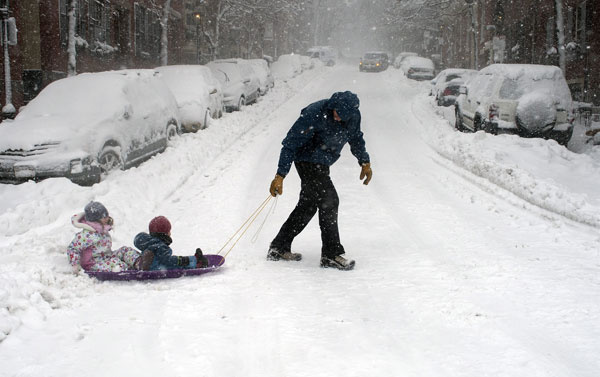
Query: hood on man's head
345	104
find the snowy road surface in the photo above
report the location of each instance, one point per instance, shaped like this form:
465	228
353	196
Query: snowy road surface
476	255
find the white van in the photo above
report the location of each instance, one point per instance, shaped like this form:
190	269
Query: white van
328	55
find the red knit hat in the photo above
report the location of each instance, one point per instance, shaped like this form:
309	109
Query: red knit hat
159	224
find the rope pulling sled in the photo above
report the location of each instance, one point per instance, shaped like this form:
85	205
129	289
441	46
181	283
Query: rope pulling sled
215	261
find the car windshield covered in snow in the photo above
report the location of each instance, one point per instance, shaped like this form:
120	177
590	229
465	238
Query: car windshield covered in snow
513	88
526	79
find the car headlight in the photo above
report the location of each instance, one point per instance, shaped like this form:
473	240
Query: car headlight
76	166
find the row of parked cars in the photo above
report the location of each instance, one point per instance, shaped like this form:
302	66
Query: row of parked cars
525	99
84	126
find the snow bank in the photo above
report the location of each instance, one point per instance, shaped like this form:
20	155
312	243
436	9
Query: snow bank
520	166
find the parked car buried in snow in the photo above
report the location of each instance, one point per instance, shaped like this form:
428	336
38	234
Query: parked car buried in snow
401	56
446	85
198	94
265	78
417	68
239	82
526	99
85	126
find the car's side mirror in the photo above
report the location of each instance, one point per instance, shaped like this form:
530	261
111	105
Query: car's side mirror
463	90
214	91
246	81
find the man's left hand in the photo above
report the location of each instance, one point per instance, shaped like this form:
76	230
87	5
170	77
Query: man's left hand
366	171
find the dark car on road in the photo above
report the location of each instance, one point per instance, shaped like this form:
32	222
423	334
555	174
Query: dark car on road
374	62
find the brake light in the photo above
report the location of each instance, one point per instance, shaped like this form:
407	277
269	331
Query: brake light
447	92
493	112
411	70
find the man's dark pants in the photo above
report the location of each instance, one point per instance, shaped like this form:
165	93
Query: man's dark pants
317	193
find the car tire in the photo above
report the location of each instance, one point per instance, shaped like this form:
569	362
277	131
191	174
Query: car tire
109	160
171	132
206	119
477	124
241	103
458	123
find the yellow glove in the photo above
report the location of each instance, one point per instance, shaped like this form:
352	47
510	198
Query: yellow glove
276	185
366	171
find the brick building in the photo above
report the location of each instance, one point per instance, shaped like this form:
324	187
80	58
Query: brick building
488	31
112	34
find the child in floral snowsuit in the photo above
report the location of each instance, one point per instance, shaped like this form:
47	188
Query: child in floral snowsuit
92	247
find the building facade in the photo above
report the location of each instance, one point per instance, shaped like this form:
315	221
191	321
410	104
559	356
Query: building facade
503	31
110	34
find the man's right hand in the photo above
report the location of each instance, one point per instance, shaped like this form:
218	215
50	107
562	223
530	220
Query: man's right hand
276	186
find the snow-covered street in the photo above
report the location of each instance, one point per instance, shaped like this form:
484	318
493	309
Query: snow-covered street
476	255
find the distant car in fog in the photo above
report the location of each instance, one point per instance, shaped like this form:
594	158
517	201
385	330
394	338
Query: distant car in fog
375	61
328	55
85	126
417	68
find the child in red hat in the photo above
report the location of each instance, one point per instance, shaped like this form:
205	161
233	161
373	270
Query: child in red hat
157	255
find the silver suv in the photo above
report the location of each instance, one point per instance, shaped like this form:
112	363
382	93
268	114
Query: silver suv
526	99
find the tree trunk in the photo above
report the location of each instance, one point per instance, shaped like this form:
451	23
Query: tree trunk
560	34
164	38
71	49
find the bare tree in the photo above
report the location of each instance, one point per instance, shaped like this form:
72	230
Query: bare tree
164	37
560	34
71	50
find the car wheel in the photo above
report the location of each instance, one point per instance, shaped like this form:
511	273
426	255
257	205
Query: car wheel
477	124
206	119
241	103
109	160
171	132
458	123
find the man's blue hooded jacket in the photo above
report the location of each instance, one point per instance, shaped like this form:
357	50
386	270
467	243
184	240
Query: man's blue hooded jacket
317	138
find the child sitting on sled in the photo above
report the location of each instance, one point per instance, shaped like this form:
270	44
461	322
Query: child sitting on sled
157	255
91	249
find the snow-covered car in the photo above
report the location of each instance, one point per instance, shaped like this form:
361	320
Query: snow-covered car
286	67
198	94
85	126
527	99
374	61
401	57
446	85
265	78
417	68
326	54
239	82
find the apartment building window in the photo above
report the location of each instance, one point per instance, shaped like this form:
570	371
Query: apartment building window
99	16
581	21
81	25
147	32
